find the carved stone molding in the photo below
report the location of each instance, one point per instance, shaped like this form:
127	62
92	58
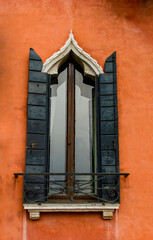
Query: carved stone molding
90	65
106	209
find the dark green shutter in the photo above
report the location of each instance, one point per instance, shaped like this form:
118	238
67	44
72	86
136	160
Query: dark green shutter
107	132
37	130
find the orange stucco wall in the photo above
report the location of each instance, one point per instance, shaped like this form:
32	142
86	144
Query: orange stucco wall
100	27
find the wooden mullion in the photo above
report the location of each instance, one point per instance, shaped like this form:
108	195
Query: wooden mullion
70	125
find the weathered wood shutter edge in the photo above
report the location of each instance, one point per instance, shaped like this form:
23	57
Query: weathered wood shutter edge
37	152
107	131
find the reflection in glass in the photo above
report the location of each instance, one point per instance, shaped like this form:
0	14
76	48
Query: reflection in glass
58	128
83	130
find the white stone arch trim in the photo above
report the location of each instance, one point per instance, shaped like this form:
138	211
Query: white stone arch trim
90	65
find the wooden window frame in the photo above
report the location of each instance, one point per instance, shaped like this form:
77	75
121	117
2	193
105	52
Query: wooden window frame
71	66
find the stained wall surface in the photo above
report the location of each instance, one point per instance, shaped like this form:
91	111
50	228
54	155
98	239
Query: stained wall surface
100	28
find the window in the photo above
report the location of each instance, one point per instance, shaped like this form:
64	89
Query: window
71	132
81	109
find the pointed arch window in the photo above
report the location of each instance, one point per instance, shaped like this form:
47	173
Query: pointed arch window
71	129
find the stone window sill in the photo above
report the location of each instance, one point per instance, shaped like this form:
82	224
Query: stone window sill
35	209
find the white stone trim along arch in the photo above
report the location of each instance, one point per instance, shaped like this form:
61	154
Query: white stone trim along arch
90	65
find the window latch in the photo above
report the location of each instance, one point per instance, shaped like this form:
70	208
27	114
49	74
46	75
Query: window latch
31	146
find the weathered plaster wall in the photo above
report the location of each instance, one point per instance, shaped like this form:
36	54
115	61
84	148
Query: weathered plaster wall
100	27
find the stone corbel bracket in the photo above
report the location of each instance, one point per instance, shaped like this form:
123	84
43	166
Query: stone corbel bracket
35	209
89	65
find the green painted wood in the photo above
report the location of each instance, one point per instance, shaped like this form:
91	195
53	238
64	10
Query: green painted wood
108	113
35	65
37	112
108	127
108	157
35	169
38	77
109	169
38	140
36	126
110	67
33	55
107	78
36	87
108	101
107	89
35	157
36	99
108	142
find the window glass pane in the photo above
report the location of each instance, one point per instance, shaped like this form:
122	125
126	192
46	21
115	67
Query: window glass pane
58	127
83	132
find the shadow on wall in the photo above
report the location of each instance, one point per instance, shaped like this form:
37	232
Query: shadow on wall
131	8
